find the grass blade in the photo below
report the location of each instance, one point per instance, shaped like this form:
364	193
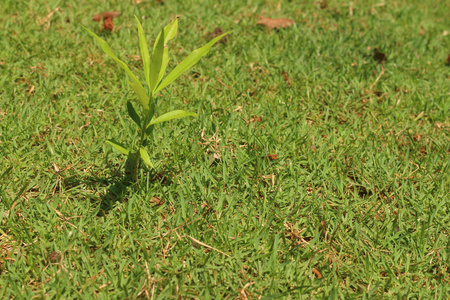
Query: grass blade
175	114
137	86
6	172
144	51
188	62
118	147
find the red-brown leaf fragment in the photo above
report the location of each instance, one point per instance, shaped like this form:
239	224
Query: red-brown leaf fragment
108	24
97	17
106	14
271	156
422	30
323	4
107	17
287	79
316	272
255	119
275	23
54	257
156	201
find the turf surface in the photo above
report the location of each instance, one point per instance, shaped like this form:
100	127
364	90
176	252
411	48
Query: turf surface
313	171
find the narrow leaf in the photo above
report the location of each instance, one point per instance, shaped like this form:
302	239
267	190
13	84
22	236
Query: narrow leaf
133	114
175	114
149	129
165	62
155	64
144	99
188	62
170	31
151	113
146	157
119	147
144	51
137	86
6	172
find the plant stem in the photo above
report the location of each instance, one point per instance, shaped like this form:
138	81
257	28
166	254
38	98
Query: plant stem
132	163
132	166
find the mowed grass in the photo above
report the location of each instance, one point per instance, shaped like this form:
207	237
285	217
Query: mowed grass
333	178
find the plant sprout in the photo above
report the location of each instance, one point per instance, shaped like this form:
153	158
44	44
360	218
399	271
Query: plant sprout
155	64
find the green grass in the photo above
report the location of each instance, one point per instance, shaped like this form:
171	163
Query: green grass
358	192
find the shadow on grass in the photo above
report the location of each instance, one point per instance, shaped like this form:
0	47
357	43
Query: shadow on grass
116	192
118	189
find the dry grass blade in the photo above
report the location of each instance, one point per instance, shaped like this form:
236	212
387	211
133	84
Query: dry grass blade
206	246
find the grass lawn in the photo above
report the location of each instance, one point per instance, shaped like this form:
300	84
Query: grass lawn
312	171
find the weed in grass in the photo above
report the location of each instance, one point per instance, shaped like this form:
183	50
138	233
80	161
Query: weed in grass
358	193
154	68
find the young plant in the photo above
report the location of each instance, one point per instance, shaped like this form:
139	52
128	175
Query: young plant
155	64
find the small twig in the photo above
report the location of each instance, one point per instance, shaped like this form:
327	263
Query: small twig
378	78
236	91
207	246
149	281
185	224
63	218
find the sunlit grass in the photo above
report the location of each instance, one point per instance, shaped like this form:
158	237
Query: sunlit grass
312	170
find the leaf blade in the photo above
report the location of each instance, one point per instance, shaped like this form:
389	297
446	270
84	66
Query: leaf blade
146	158
175	114
156	63
136	84
144	51
133	114
165	62
118	147
170	31
142	95
188	62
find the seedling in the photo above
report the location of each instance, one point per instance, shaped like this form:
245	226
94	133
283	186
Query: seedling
155	64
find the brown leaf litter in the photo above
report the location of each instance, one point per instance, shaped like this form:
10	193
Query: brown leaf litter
107	18
275	23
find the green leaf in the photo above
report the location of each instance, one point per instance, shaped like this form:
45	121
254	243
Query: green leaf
146	157
188	62
133	114
137	86
144	51
149	129
151	112
155	64
170	31
119	147
175	114
144	99
165	62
